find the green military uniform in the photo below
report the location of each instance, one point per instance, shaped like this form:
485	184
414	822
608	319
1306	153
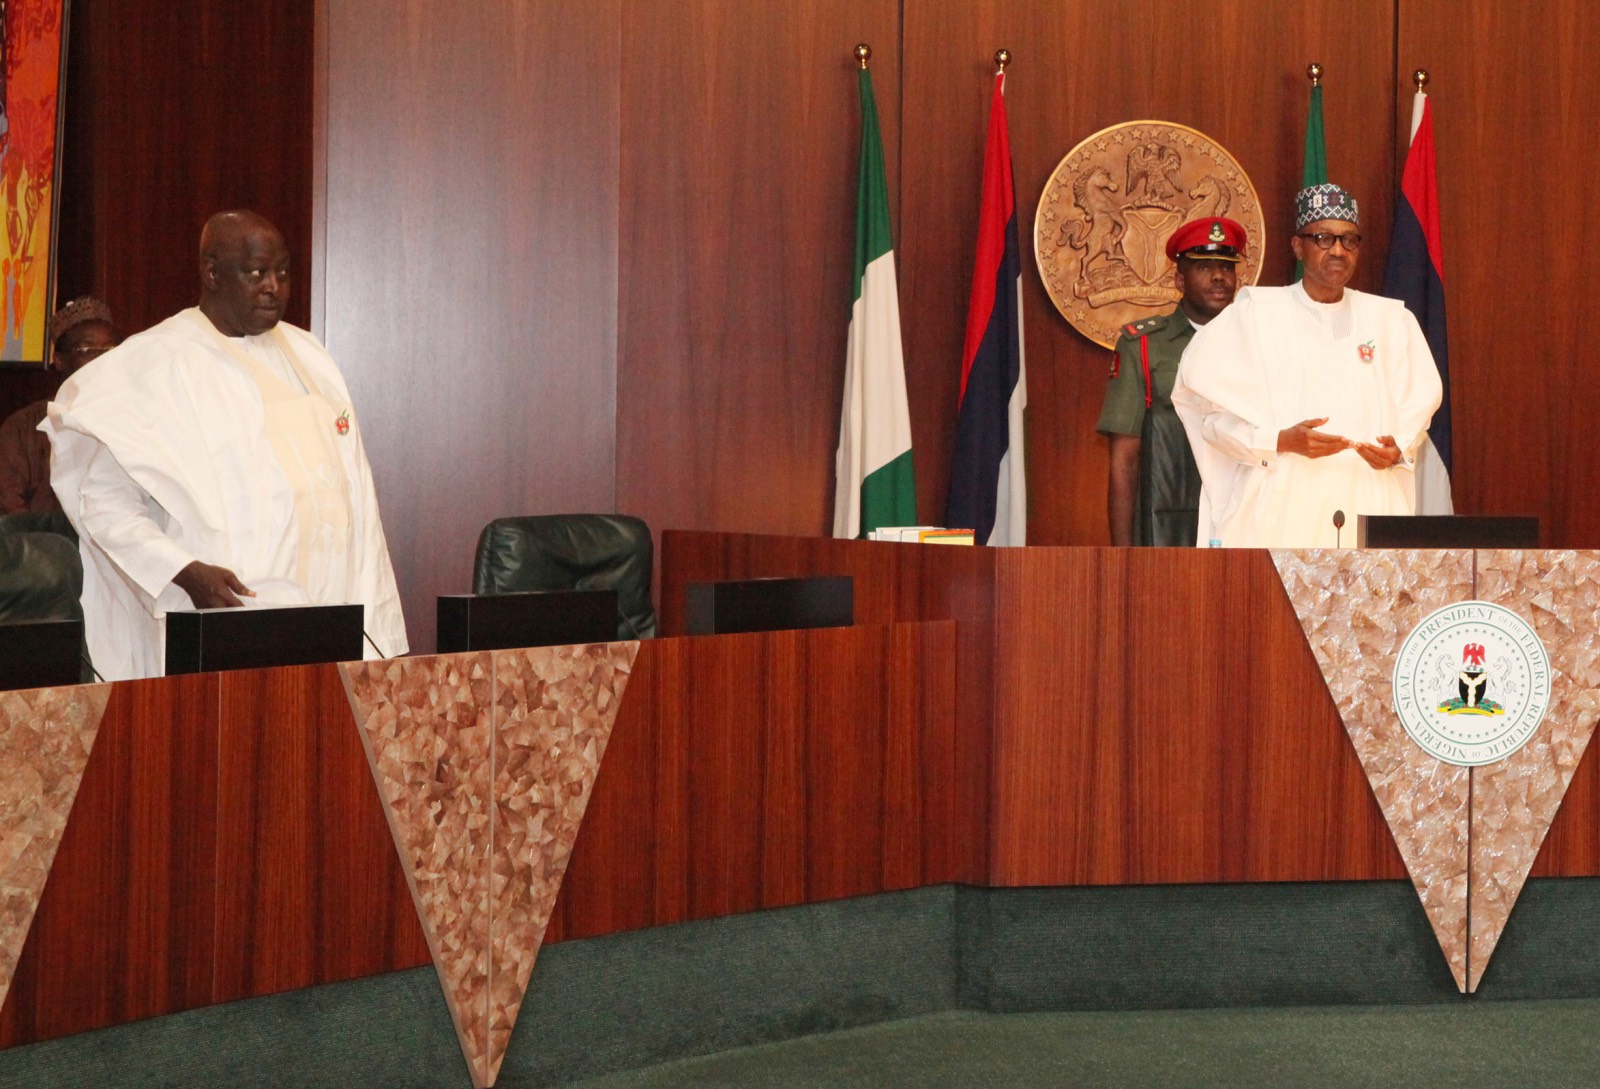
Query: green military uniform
1167	505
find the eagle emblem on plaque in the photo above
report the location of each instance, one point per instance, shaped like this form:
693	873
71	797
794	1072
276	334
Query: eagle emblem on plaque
1472	686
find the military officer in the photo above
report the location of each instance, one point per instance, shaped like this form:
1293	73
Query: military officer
1154	491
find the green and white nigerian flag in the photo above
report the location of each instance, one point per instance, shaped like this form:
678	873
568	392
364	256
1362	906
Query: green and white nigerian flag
873	480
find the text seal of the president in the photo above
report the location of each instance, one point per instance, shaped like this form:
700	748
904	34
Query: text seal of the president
1471	683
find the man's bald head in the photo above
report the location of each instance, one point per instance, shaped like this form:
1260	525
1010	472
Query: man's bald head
244	273
229	229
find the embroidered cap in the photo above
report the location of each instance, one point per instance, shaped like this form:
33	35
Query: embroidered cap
1325	201
1210	239
79	310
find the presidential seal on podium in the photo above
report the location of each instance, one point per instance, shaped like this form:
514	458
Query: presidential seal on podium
1101	230
1471	683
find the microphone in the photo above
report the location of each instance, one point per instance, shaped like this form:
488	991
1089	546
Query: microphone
371	643
1338	526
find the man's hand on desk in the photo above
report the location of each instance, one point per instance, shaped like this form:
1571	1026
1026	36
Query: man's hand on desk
211	587
1383	454
1304	439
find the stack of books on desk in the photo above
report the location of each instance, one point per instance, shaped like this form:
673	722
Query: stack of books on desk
922	535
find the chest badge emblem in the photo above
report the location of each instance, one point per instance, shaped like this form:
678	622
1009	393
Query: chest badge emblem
1369	351
342	424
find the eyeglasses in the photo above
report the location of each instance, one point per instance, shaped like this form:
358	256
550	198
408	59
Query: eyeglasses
88	352
1325	241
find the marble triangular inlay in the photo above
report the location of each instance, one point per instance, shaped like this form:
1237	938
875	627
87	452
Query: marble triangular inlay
1514	800
485	763
46	735
1356	608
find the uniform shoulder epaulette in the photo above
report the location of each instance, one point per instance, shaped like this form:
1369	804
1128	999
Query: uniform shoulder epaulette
1142	328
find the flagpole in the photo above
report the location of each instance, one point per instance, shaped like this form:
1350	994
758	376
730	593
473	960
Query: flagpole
1314	167
1420	78
1002	57
863	54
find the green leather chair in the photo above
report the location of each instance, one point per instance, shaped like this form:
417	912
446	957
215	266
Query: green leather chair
572	552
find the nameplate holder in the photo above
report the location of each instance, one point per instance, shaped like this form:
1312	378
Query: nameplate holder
1446	531
746	605
528	618
40	654
257	637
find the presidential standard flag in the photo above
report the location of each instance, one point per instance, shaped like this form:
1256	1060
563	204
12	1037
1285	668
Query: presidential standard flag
988	487
1414	274
873	480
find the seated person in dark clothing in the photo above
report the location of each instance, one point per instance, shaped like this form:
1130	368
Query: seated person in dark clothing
80	331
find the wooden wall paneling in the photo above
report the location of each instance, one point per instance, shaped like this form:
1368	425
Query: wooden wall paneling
920	815
672	843
611	882
125	927
1162	709
1508	90
724	757
960	584
1079	67
1061	740
1295	771
1184	776
902	802
891	583
266	811
173	112
758	771
846	690
740	137
470	214
309	886
795	728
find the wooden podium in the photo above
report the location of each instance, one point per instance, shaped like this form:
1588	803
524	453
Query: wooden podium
996	717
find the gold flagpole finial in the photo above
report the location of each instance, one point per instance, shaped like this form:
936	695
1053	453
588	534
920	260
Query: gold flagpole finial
1314	73
1420	78
863	53
1002	57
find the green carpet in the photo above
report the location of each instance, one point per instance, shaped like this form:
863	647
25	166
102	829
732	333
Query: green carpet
1526	1045
955	985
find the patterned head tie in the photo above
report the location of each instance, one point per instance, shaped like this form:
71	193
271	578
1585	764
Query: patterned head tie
1325	201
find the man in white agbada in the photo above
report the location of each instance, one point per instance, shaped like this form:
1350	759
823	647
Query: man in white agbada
1307	400
216	459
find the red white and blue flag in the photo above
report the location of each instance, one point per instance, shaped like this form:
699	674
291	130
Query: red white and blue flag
988	485
1414	274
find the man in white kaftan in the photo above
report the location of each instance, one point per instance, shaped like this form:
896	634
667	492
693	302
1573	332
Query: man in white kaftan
215	460
1305	401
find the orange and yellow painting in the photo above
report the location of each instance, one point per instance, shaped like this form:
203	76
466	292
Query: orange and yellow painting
31	49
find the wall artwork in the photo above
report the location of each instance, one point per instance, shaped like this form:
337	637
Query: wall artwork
33	57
